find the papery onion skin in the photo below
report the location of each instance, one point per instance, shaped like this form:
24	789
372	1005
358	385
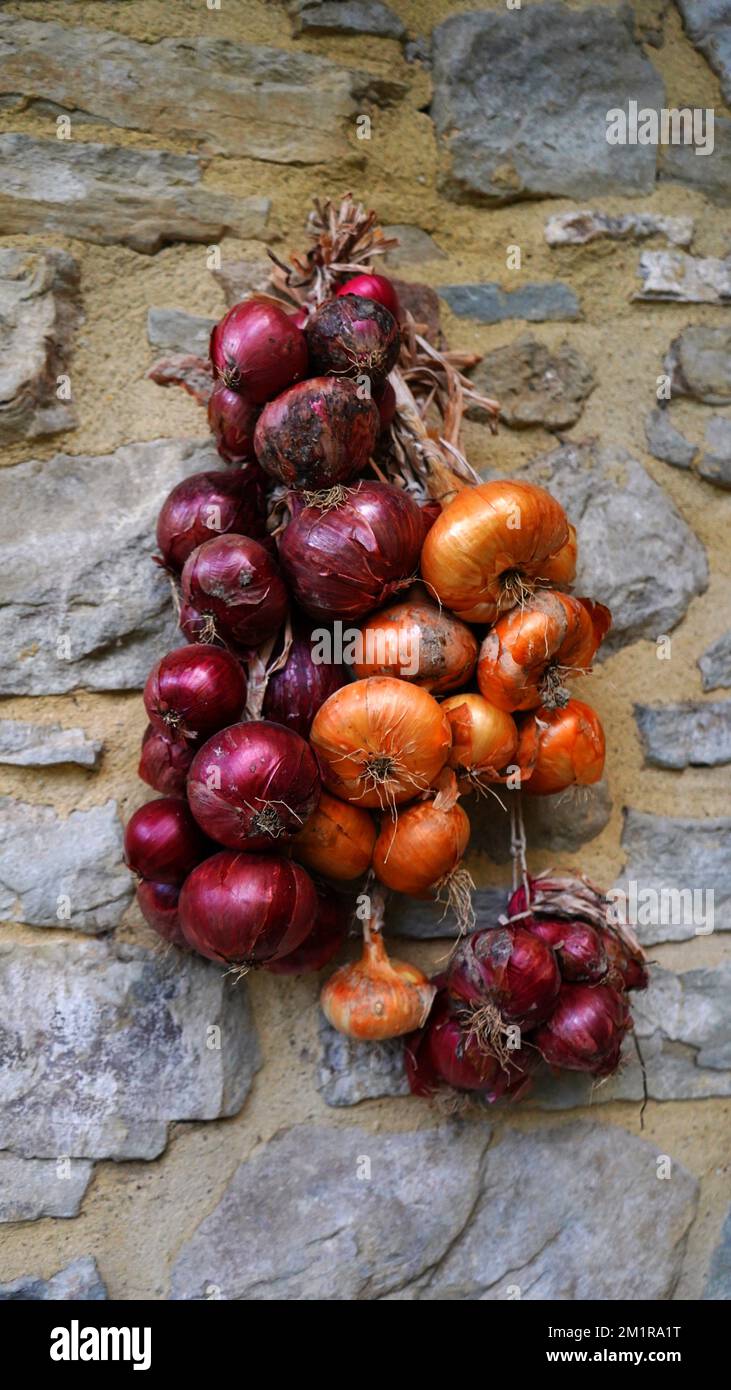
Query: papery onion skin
377	287
232	420
421	849
585	1030
257	350
194	691
508	968
356	337
443	1053
164	761
380	741
627	968
532	650
489	540
158	903
318	434
162	841
323	941
571	748
353	557
206	505
235	580
376	997
247	909
254	785
337	840
295	694
484	739
578	946
419	642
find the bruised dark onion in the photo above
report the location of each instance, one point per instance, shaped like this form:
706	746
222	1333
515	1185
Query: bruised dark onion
318	434
257	349
164	761
443	1053
323	941
585	1030
163	842
508	969
354	336
247	909
206	505
234	581
254	784
232	419
195	690
158	903
369	286
295	694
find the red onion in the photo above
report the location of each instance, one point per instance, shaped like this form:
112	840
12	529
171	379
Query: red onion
163	842
430	511
317	434
164	761
257	349
208	505
253	784
193	691
386	403
300	316
158	903
245	909
627	967
325	938
350	559
232	419
585	1030
564	897
352	336
442	1052
578	947
294	694
234	581
376	287
508	969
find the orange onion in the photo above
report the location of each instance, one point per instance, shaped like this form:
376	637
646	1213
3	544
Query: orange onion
424	845
380	741
493	544
376	997
337	840
570	749
530	651
418	642
484	739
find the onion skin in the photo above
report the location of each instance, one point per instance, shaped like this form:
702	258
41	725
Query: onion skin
337	840
158	903
164	761
206	505
508	968
442	1053
571	748
376	998
350	559
317	434
380	741
578	947
257	350
247	909
586	1029
253	785
417	633
295	694
526	655
162	841
486	537
194	691
422	848
356	337
484	740
232	419
235	580
627	968
323	941
376	287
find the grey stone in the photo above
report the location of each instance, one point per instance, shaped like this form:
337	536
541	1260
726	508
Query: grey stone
707	174
676	865
586	224
35	1187
144	199
699	364
490	304
690	734
40	309
192	373
44	745
522	112
718	1284
353	1071
84	604
177	331
535	385
559	823
243	100
708	25
636	553
715	664
62	873
665	442
239	279
677	277
426	921
415	246
105	1045
79	1280
346	17
434	1216
714	465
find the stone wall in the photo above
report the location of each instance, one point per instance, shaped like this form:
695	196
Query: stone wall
136	1157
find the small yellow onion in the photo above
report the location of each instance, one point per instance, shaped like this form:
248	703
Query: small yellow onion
420	851
570	747
484	739
337	840
377	998
418	642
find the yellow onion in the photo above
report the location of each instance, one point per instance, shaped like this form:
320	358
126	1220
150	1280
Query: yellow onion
533	649
570	747
419	642
484	739
377	998
337	840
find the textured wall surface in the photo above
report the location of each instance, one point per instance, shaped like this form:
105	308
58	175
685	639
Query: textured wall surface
135	1157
